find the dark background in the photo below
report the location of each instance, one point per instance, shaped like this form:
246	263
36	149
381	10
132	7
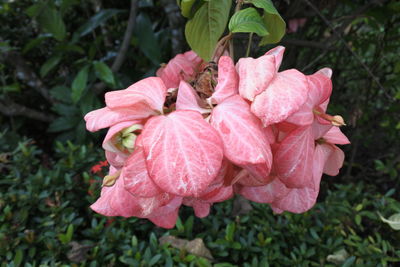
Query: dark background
46	154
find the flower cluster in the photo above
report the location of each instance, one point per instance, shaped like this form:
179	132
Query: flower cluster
200	132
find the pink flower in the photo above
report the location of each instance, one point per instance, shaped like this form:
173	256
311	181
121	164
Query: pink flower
274	95
199	132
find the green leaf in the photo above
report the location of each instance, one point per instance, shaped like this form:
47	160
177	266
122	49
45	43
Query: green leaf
79	84
96	20
35	42
230	231
104	73
393	221
147	40
276	26
51	21
248	20
186	7
18	258
206	27
62	124
50	64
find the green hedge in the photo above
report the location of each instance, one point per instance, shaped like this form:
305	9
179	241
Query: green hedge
46	221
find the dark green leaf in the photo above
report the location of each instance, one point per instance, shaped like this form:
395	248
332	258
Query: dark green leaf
35	42
147	40
248	20
96	20
62	124
274	23
186	7
104	73
51	21
79	84
206	27
50	64
61	93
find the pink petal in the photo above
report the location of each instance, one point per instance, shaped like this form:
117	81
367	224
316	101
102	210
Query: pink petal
192	57
326	71
255	75
242	133
116	160
320	89
334	162
335	136
258	174
298	200
319	130
266	193
183	152
146	94
136	178
181	67
293	159
116	201
188	99
286	93
166	221
277	52
228	81
106	117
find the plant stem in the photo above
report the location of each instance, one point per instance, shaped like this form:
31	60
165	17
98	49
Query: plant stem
249	44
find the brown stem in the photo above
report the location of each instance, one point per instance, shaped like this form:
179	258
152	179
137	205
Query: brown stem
121	56
11	109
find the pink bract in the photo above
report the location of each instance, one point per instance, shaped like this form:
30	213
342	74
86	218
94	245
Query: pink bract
199	133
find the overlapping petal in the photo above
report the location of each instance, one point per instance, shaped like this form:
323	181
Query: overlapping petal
286	93
293	159
148	93
183	152
228	81
188	99
255	75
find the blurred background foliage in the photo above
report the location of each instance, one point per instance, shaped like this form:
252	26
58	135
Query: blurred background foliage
58	58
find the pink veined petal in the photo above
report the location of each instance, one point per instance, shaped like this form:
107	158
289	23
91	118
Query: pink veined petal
258	175
255	75
270	134
335	136
277	52
320	89
149	92
334	162
102	204
193	58
171	204
108	143
166	221
201	209
181	67
293	158
298	200
319	130
116	160
188	99
217	194
286	93
326	71
228	81
106	117
321	155
183	152
266	193
136	178
244	139
116	201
